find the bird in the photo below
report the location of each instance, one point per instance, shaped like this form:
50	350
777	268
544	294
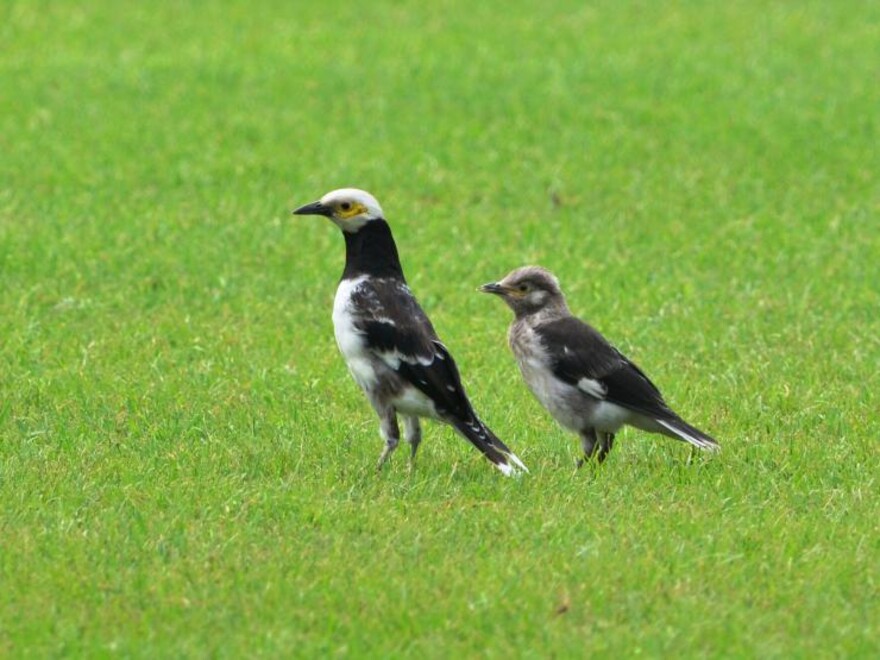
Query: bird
584	382
388	342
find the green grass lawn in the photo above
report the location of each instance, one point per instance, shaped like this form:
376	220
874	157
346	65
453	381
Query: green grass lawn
186	467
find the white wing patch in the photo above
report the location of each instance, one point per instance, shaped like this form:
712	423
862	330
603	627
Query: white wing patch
394	358
592	387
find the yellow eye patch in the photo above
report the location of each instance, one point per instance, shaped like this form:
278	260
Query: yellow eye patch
518	291
348	210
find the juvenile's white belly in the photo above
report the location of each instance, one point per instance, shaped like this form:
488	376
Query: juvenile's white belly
609	417
570	406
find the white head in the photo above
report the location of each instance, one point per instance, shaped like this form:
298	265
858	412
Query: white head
349	208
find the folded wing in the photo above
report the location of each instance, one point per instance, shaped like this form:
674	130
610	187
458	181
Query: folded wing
582	357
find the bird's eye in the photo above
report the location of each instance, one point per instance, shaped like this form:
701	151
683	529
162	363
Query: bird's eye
345	206
523	287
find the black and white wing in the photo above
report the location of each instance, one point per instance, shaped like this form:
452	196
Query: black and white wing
583	358
399	332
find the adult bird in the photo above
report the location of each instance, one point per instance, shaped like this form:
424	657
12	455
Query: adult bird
388	342
585	383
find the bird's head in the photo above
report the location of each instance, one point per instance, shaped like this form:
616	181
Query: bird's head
349	208
528	290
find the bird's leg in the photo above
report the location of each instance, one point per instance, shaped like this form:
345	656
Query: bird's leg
412	432
606	443
588	444
390	434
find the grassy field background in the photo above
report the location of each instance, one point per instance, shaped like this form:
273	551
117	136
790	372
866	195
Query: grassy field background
186	468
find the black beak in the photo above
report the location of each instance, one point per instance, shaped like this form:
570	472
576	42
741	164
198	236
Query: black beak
315	208
492	287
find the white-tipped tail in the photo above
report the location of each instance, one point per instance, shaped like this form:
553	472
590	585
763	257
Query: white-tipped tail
515	468
684	431
517	463
488	443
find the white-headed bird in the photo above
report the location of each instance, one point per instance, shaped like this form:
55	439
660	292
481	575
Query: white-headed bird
388	343
585	383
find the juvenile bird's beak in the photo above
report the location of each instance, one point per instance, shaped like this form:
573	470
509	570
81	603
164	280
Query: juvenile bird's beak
493	287
315	208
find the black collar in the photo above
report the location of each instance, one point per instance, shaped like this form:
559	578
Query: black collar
371	251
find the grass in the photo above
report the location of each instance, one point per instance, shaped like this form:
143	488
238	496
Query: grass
186	466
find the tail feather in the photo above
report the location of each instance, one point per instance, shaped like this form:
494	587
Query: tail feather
680	429
479	435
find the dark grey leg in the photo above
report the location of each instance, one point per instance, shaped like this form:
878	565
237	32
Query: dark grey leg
595	443
588	444
412	432
606	443
390	434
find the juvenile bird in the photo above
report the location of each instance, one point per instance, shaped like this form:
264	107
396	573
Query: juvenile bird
585	383
388	343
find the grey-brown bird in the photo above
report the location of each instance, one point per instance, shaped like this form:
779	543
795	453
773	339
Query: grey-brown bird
585	383
387	341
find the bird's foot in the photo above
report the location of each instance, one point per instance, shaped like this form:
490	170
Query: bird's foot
382	460
595	461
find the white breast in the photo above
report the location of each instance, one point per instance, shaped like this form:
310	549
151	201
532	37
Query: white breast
351	342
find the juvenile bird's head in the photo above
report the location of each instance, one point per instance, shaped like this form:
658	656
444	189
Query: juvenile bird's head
349	208
529	290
